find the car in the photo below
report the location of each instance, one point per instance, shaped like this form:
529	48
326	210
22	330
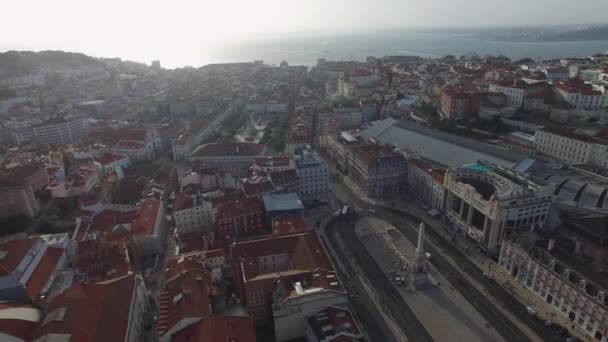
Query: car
428	255
530	311
372	211
488	276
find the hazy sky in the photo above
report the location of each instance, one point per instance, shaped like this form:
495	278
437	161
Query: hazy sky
120	25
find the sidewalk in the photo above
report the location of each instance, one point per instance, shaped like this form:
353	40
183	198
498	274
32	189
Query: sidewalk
393	326
544	310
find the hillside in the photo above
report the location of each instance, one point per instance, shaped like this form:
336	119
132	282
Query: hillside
25	62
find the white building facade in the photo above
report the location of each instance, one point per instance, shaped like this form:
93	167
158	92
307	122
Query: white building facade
567	147
485	202
197	217
580	300
290	314
426	183
313	179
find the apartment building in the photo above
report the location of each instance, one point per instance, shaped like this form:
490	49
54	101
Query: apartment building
426	182
17	198
581	95
56	131
30	265
577	293
235	158
192	213
238	218
517	89
313	179
454	103
266	273
568	147
114	310
376	170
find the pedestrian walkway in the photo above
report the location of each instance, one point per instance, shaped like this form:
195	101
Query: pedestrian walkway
544	310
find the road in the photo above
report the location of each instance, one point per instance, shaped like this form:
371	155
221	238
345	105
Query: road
403	315
446	314
487	309
407	224
363	305
502	297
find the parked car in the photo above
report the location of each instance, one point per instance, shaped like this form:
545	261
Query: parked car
488	276
530	311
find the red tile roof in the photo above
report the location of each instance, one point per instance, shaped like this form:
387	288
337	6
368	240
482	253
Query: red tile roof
288	224
239	207
135	221
305	250
101	261
437	173
93	313
343	326
13	322
146	221
453	92
188	288
43	272
578	86
228	149
218	329
113	135
107	158
256	185
276	161
370	153
15	251
182	201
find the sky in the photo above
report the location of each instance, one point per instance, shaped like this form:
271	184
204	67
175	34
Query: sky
110	27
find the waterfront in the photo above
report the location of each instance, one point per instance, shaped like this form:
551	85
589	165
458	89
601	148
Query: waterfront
304	49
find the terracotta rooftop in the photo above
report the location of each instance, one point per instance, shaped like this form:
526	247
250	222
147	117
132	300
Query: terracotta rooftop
578	86
453	92
243	206
285	285
101	261
256	185
43	272
188	288
90	313
228	149
185	295
288	224
218	328
18	320
305	251
15	251
437	173
113	224
108	157
276	161
372	153
334	324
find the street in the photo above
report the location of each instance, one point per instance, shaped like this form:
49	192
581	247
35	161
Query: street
446	314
